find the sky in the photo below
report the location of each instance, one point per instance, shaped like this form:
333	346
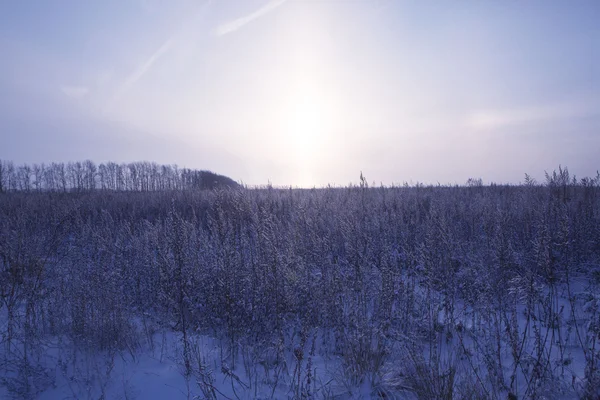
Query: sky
306	92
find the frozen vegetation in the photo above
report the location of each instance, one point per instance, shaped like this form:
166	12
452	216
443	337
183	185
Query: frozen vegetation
136	284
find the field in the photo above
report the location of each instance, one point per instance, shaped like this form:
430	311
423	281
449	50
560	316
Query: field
410	292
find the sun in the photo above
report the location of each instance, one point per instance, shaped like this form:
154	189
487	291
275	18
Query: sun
306	130
305	124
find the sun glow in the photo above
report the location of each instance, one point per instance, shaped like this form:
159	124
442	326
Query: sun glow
305	125
308	124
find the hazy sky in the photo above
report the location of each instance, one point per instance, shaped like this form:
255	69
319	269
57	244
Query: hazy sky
305	92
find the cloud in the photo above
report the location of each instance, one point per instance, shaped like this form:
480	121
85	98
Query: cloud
491	119
236	24
135	76
167	45
75	92
144	67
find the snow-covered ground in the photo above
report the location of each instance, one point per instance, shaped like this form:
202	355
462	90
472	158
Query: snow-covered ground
158	372
460	350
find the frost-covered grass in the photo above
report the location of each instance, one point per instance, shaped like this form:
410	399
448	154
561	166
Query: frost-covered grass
339	293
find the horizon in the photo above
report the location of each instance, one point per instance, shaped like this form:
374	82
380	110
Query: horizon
306	93
47	177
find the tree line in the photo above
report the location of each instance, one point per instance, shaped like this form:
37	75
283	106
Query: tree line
86	176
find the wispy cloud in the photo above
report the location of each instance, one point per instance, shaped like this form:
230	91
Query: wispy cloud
232	26
75	92
144	67
169	43
491	119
